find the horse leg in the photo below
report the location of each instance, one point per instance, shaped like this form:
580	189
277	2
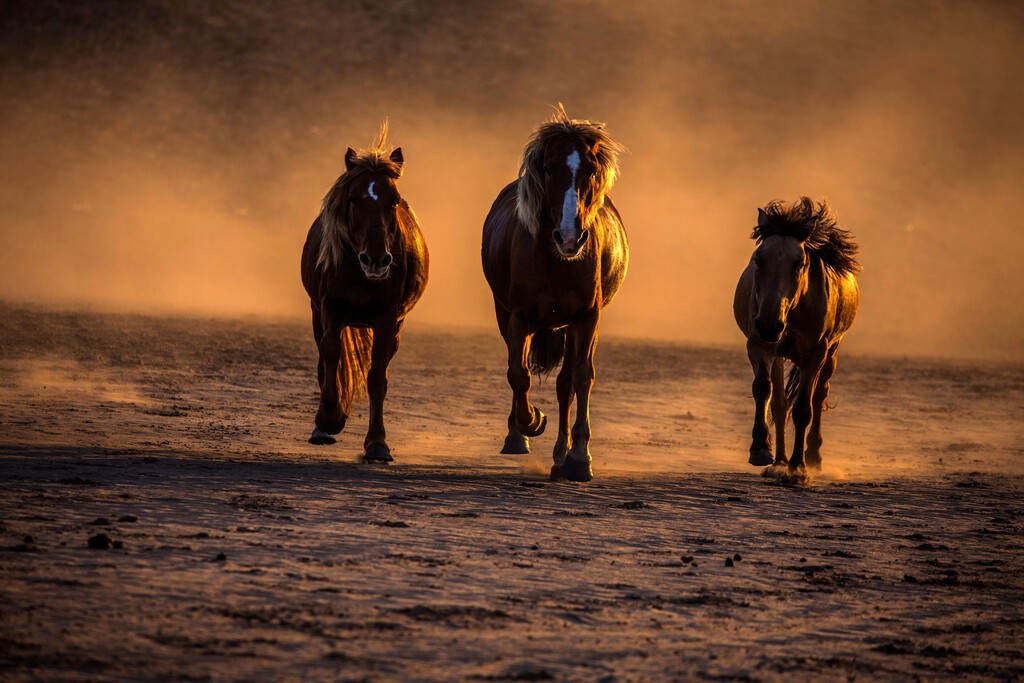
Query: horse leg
515	442
576	466
780	408
563	387
318	333
761	360
528	419
809	372
330	418
385	345
812	454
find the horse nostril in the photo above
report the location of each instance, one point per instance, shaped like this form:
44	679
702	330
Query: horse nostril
557	236
386	259
584	236
364	258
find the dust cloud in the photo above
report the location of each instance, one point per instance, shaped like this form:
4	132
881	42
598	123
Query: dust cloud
168	157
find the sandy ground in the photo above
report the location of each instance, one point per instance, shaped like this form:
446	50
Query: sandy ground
245	553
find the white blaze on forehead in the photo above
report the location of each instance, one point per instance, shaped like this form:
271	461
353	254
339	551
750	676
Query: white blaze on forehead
370	192
571	201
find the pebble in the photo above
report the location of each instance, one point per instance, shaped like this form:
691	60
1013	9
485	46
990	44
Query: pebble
99	542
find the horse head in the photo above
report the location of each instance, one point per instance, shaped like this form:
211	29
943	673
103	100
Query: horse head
372	211
780	279
570	168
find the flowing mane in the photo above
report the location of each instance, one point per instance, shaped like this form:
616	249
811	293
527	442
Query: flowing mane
531	172
334	209
816	227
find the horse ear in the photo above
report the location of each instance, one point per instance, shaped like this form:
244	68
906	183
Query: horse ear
350	158
762	218
397	156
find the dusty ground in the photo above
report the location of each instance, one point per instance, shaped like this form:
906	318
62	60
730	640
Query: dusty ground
246	553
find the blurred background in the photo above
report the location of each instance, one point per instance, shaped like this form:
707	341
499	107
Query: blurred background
168	156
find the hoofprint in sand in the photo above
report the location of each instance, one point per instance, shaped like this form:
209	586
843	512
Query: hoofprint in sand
247	553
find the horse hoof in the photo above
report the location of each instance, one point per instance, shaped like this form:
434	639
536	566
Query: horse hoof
377	452
556	473
762	457
516	445
322	438
536	428
331	424
577	470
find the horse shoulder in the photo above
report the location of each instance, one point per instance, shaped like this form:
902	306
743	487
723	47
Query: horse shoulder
310	252
741	304
417	258
614	251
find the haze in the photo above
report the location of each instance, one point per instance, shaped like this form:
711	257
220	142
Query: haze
168	157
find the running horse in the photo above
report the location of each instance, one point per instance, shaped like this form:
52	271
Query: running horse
795	300
364	266
554	254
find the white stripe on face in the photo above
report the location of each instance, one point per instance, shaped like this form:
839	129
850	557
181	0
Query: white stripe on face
571	201
370	192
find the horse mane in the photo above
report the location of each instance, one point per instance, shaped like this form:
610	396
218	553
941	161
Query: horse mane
813	225
530	191
334	229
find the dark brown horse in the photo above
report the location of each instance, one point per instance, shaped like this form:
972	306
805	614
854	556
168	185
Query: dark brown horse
796	299
555	253
364	267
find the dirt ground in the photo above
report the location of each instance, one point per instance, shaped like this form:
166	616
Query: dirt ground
241	552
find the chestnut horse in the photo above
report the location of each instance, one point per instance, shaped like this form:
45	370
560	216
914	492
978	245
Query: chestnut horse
795	300
554	254
364	266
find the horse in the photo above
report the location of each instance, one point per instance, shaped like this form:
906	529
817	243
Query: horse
554	254
796	299
364	267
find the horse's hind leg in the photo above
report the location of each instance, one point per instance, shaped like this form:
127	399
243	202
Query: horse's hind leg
385	345
812	455
330	418
515	442
780	408
563	387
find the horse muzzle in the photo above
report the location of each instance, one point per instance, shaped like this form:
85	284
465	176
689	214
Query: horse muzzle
570	248
770	331
376	269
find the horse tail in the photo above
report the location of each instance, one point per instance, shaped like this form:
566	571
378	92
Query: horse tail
792	384
546	351
356	344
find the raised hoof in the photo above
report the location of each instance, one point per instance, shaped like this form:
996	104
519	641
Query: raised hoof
575	470
322	438
762	457
812	462
331	424
377	453
516	445
535	428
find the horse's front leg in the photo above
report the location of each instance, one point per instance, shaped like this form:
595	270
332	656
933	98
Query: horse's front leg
529	421
576	466
761	358
780	408
812	454
809	371
385	345
330	418
564	389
